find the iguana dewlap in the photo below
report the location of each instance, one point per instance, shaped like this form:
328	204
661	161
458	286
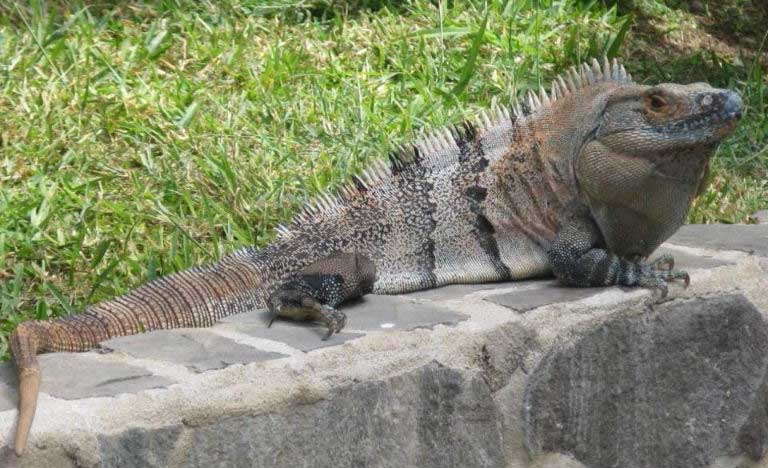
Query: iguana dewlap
582	182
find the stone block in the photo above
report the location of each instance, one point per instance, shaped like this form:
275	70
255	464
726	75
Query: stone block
430	417
680	386
761	217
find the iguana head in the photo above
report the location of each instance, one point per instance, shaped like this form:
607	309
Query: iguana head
667	118
646	155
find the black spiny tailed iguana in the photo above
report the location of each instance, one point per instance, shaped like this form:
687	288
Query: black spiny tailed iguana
583	182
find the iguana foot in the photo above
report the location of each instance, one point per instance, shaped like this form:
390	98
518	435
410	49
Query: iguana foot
659	272
334	319
289	305
576	262
315	291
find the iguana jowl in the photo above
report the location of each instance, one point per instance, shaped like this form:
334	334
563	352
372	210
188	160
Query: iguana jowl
583	182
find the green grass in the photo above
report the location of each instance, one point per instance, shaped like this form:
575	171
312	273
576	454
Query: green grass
139	139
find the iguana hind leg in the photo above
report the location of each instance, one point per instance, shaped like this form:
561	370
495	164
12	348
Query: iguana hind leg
577	261
314	292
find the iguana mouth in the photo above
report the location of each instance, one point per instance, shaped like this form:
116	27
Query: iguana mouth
719	113
699	121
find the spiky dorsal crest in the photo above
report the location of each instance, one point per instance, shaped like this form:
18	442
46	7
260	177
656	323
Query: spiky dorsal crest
439	148
573	80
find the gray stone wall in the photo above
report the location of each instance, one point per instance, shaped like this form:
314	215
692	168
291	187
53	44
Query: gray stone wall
516	375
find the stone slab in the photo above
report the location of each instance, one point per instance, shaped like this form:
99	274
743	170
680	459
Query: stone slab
378	312
199	350
373	312
686	261
72	376
8	398
305	336
550	292
750	238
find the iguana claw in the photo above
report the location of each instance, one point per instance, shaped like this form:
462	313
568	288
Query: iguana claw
333	318
664	262
659	272
307	308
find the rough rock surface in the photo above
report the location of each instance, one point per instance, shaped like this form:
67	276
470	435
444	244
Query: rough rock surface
518	375
682	385
430	417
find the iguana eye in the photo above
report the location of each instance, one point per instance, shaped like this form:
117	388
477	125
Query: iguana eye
657	102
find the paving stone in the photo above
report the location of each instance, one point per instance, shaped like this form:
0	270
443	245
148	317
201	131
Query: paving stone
377	312
687	261
549	293
372	312
304	336
200	350
72	376
751	238
258	317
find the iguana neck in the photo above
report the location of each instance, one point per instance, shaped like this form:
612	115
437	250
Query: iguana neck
534	181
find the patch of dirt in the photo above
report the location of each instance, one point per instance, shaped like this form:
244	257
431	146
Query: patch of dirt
731	29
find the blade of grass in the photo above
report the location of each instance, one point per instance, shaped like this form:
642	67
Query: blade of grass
471	63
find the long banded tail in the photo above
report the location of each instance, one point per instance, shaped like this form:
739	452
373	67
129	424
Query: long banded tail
197	297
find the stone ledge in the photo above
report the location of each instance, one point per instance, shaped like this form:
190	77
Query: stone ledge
434	378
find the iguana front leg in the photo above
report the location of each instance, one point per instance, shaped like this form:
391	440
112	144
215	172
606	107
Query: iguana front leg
315	291
577	260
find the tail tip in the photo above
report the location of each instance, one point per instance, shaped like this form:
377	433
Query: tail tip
20	444
18	449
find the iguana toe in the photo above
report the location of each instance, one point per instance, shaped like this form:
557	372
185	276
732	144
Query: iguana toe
663	262
655	282
659	272
334	319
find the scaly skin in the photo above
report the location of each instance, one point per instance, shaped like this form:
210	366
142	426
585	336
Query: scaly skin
583	182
